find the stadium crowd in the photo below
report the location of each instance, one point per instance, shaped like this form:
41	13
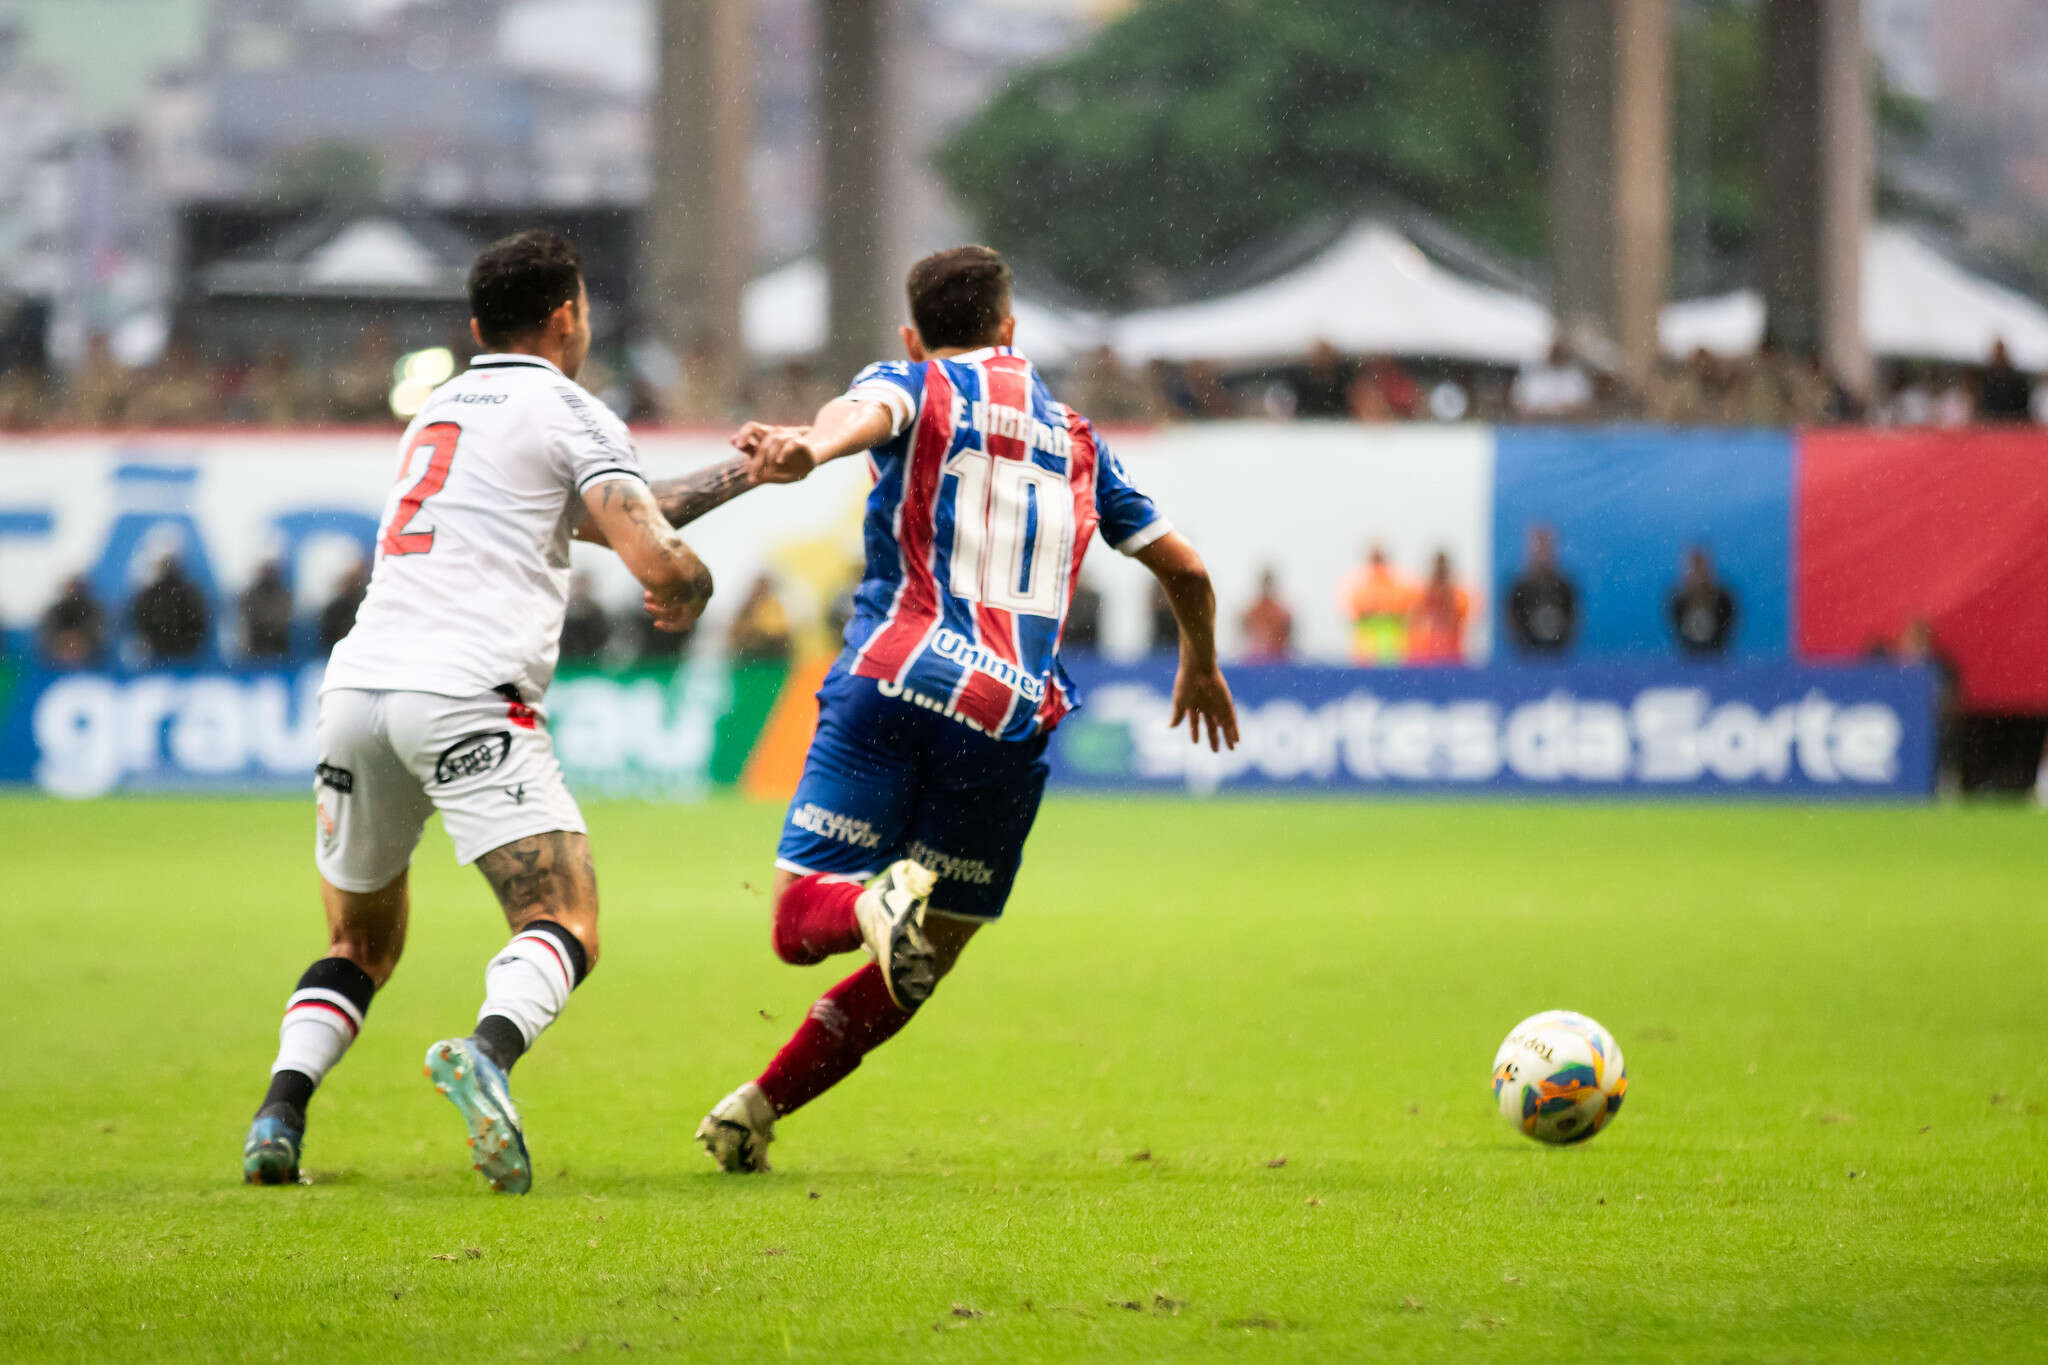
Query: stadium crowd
187	388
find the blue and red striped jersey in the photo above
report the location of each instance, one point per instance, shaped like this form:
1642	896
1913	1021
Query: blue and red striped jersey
985	500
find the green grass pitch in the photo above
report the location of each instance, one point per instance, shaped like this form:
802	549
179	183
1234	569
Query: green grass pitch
1217	1089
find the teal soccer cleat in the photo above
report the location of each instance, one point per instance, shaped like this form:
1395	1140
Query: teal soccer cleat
270	1154
473	1084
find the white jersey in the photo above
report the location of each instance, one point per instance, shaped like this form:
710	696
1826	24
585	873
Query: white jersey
472	572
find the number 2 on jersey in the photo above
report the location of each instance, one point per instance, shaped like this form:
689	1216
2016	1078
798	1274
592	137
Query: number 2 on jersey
441	438
1011	522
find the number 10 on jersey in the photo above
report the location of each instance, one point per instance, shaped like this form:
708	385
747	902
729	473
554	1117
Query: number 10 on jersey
1012	523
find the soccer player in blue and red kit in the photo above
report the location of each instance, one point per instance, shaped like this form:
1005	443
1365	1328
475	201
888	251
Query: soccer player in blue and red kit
929	757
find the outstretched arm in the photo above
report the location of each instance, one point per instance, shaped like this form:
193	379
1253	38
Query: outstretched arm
683	500
677	583
844	426
1199	692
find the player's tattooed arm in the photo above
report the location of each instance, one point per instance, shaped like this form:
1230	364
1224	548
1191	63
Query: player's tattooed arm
677	582
682	500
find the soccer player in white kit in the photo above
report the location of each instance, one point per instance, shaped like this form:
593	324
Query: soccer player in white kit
432	701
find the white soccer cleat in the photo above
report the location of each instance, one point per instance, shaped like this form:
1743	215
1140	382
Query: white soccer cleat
891	916
737	1132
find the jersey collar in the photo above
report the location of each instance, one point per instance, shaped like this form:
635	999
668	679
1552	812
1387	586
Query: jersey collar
976	357
512	360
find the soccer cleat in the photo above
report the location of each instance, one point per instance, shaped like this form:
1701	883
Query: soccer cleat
474	1085
270	1154
891	917
738	1131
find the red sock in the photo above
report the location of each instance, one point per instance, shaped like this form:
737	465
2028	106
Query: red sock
814	920
852	1019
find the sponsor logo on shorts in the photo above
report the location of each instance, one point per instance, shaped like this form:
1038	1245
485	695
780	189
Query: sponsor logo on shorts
473	756
518	793
827	824
328	830
972	871
341	779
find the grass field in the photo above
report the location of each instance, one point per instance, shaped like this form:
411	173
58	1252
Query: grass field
1216	1090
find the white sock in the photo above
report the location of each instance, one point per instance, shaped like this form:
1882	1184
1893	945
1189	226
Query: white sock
322	1017
529	981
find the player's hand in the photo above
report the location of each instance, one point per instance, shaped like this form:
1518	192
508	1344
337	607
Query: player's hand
1202	697
674	615
776	454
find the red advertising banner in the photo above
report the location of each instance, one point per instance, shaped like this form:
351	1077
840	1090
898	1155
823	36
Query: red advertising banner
1950	527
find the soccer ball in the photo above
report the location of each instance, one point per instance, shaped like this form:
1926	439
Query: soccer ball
1559	1077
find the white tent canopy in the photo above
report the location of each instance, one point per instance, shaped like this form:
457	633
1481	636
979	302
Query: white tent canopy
1371	291
782	316
1917	304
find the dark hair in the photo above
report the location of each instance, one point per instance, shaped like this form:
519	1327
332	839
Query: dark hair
519	280
958	297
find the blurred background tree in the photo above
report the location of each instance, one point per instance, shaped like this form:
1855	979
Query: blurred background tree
1189	128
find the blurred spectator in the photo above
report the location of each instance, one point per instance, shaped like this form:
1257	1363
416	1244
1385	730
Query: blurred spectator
586	628
1383	392
1954	405
1614	399
265	609
359	388
1683	395
1916	645
1376	600
1323	390
1277	402
1909	402
169	616
2006	395
1208	397
1105	391
1543	606
1450	400
1165	625
338	617
278	393
1557	388
98	393
1820	399
1083	632
1169	387
760	629
1436	623
1267	624
1755	393
73	633
1702	610
25	398
652	648
175	392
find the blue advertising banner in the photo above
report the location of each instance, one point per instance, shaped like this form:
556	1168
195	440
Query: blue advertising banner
1626	504
87	734
1738	730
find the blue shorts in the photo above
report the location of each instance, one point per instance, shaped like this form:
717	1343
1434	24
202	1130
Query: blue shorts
886	779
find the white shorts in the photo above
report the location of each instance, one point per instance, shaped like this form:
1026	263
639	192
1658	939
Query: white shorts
388	760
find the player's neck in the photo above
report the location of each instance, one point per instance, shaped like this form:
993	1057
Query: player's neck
554	355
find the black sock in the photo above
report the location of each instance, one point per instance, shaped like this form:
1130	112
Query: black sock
499	1039
287	1097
